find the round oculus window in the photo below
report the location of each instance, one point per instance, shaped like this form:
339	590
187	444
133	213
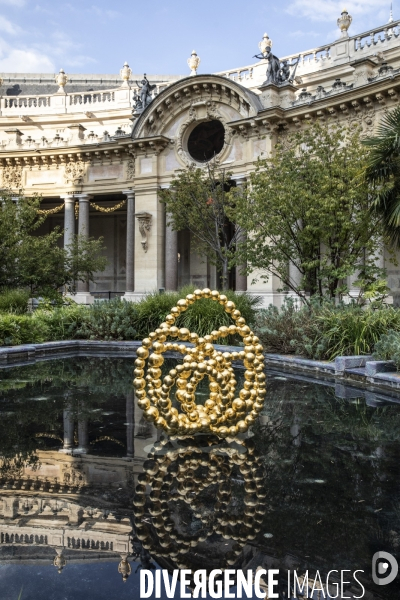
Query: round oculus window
206	140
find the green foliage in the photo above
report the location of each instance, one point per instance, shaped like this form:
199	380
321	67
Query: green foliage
290	330
62	322
34	261
22	329
199	200
113	320
351	330
388	348
205	316
383	170
152	310
324	331
14	301
307	206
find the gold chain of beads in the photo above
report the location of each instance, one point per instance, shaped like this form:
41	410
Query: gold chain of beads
226	412
107	210
180	474
50	211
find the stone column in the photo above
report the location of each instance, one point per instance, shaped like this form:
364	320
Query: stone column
83	437
130	245
171	258
68	431
130	424
83	296
69	219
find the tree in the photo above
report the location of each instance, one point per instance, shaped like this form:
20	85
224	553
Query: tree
383	171
200	201
308	207
37	261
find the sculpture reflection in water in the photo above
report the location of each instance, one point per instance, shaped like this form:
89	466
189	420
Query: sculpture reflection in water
190	491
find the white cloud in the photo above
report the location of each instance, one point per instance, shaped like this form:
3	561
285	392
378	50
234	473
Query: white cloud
329	10
25	61
8	27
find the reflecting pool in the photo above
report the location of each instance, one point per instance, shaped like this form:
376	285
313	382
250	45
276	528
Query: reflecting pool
91	493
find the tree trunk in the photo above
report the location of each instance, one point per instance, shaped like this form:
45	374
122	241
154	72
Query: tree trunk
225	275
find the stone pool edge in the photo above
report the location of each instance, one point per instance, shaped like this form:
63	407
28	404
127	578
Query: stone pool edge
357	370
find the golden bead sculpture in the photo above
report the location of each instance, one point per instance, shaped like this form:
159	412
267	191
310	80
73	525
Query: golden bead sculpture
227	411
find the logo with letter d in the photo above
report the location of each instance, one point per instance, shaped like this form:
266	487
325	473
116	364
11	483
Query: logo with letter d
384	568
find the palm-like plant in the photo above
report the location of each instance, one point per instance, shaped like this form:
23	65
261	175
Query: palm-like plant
383	171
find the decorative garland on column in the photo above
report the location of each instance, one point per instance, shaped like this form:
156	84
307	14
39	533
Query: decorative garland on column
50	211
110	209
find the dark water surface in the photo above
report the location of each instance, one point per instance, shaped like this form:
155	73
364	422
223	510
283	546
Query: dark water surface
315	486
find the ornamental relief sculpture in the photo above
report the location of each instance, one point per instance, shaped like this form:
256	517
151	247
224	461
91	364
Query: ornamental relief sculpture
12	177
130	169
74	172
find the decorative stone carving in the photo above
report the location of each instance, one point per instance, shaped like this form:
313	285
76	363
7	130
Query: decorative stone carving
144	219
344	22
130	171
193	62
12	177
125	74
212	112
74	172
61	80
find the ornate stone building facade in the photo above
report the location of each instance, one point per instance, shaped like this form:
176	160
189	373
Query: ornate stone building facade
99	151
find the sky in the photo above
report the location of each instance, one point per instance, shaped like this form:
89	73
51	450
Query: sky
157	36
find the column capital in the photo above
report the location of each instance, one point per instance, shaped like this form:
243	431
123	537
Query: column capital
83	197
129	193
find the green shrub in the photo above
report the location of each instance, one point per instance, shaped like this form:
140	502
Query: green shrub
290	330
152	310
206	315
14	301
63	322
113	320
351	330
388	348
22	329
324	331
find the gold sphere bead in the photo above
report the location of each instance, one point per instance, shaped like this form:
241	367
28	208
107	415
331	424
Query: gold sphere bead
144	403
139	383
151	414
223	299
140	394
223	432
173	332
138	372
183	333
230	306
158	347
146	343
214	295
182	305
206	293
238	405
156	360
191	298
233	431
140	363
235	314
142	352
241	321
242	426
175	312
170	319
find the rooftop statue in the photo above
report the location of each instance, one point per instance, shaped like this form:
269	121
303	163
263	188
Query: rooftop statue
145	97
278	71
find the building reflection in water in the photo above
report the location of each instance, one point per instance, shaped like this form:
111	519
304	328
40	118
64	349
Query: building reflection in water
73	505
